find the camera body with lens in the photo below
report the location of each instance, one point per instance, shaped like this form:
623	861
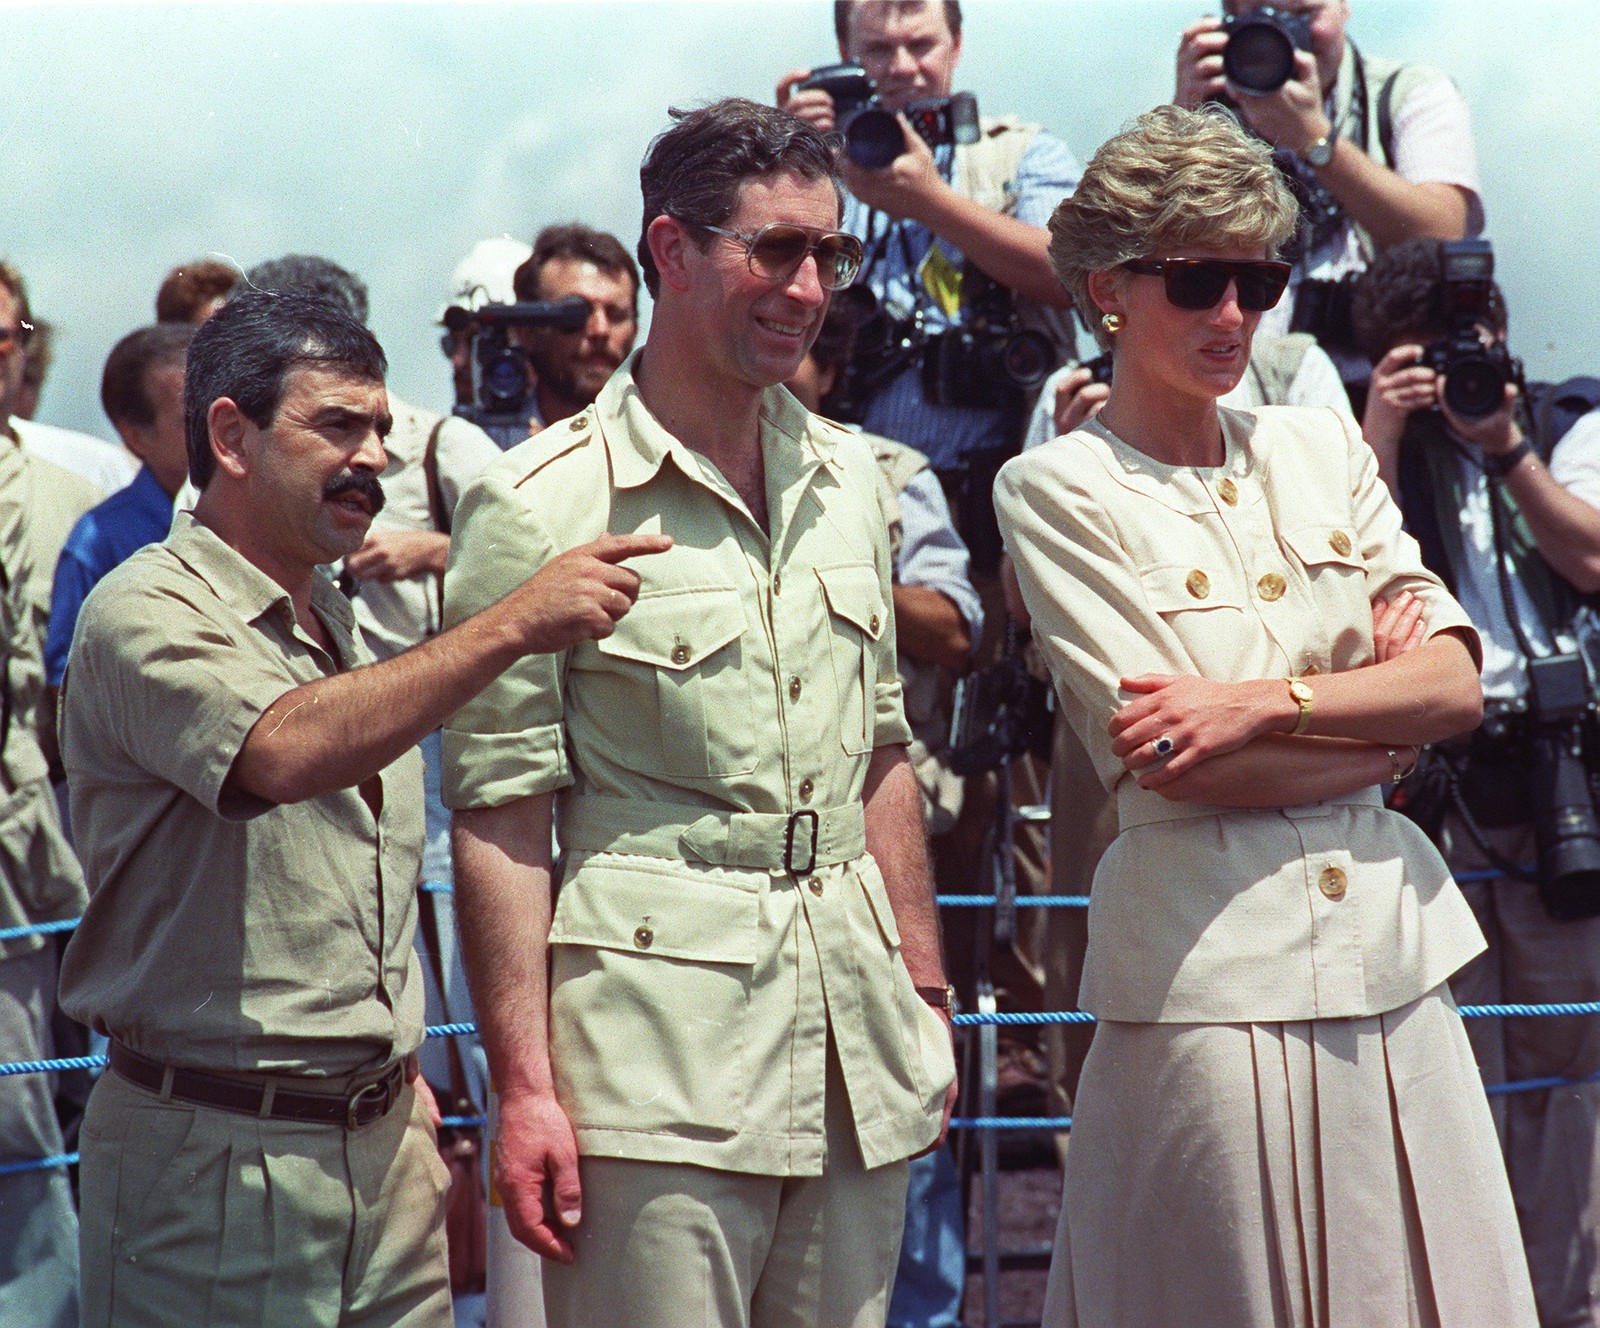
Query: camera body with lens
1566	824
872	135
1475	371
502	375
1259	56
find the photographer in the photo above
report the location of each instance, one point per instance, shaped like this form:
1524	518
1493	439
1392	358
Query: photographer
1375	151
955	240
570	367
1513	527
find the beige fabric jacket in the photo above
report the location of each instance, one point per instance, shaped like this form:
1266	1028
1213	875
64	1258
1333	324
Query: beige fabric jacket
1264	567
694	990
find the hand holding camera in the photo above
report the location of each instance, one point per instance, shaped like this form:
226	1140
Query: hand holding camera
1081	393
888	159
1261	64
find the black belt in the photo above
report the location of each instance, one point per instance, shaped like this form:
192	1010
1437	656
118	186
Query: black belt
360	1106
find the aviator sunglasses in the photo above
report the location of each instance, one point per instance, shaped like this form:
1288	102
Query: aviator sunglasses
777	249
1198	283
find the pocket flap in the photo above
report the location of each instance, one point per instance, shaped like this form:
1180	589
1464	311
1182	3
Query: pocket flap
852	592
677	629
1314	545
1175	587
666	913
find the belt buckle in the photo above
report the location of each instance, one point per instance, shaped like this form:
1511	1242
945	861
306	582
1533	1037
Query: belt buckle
375	1093
788	842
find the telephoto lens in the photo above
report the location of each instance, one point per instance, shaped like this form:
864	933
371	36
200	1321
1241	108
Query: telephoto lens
1566	829
1259	56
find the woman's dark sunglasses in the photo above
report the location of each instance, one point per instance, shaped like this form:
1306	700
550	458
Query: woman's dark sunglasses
777	249
1198	283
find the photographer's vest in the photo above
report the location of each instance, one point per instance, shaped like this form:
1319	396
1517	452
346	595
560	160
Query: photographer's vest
1365	97
926	687
986	172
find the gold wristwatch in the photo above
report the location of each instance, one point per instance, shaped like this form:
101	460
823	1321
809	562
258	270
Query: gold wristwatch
1301	694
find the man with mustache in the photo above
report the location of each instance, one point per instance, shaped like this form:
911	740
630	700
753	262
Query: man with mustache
248	803
572	367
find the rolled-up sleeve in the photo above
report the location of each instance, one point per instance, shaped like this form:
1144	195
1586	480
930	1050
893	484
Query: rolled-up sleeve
510	740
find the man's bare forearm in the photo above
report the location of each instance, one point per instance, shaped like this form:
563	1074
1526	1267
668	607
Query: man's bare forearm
896	841
340	730
503	911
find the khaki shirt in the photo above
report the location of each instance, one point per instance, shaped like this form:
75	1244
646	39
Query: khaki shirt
1264	567
39	877
59	498
694	991
396	615
222	931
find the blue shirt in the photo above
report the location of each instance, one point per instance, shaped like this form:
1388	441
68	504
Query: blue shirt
1046	174
104	537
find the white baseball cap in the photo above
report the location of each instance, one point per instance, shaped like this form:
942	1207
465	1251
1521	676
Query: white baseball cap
484	275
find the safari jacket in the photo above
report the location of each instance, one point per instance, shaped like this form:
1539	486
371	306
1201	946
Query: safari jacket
717	918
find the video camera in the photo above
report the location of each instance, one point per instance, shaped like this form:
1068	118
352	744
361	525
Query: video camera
502	376
1475	374
1259	56
872	135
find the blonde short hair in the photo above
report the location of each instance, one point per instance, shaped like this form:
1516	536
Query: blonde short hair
1175	179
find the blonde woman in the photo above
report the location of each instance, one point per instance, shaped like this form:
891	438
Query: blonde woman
1279	1121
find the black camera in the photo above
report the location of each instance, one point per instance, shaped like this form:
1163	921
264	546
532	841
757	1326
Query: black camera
1259	56
1566	826
989	360
872	135
1001	712
502	376
1475	373
1099	368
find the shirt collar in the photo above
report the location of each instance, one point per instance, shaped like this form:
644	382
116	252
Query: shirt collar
638	445
239	583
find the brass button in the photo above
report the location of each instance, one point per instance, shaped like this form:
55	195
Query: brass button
872	624
1228	491
1271	587
807	788
644	938
578	422
815	884
1339	542
794	689
680	653
1333	882
1199	584
777	583
1310	671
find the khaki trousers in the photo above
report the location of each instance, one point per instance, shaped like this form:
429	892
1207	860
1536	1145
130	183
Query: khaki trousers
206	1218
1551	1136
668	1245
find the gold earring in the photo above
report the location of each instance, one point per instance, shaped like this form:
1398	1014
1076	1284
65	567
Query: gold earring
1112	324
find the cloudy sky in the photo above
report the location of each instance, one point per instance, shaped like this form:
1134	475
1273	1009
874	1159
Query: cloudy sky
391	137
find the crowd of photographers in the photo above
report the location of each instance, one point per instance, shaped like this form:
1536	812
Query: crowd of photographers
954	348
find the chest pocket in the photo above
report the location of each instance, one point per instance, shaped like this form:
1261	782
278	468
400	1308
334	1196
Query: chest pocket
857	617
1336	580
679	657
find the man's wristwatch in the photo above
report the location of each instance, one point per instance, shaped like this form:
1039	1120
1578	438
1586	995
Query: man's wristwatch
1319	153
1301	694
1498	467
941	998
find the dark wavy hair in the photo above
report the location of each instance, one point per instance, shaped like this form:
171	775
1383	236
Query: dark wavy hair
693	170
246	351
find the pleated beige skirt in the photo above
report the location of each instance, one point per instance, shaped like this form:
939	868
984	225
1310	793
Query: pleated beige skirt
1338	1173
